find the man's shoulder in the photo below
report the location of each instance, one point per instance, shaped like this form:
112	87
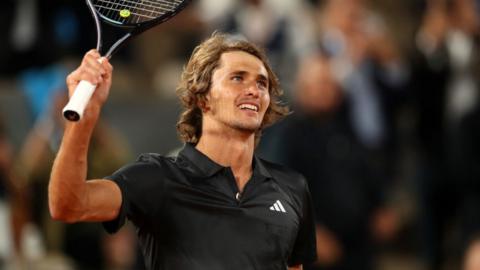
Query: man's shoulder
146	164
155	158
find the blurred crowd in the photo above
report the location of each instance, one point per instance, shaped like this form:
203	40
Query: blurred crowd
385	123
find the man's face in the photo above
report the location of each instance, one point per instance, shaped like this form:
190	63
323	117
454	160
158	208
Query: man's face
239	94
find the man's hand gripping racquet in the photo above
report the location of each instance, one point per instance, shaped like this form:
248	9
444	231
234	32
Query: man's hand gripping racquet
128	18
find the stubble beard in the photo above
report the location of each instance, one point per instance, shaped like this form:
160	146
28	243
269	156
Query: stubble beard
244	126
234	121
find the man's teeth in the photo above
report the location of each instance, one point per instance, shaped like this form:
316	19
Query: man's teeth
249	107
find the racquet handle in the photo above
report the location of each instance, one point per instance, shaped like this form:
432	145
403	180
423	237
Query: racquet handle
73	111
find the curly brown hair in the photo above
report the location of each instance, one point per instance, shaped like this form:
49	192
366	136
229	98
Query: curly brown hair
196	81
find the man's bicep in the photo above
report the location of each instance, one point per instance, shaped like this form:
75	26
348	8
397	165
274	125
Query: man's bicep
296	267
103	200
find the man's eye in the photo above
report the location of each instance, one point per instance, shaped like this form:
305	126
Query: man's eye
237	78
262	84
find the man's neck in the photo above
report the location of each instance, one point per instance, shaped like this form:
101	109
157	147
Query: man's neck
234	150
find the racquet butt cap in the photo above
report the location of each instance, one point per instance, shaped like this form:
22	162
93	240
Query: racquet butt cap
71	115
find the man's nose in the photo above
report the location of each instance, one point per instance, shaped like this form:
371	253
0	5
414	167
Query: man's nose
252	90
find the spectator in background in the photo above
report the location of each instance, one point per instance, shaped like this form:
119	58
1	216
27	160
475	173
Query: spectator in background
445	69
43	32
318	140
366	62
13	211
6	20
369	68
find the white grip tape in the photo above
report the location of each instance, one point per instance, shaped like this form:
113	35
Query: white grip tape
73	111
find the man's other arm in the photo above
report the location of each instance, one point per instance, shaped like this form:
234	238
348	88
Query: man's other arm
71	198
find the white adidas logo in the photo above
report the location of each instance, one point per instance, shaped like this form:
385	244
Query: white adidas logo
278	207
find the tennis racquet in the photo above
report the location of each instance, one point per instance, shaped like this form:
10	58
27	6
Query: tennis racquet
123	19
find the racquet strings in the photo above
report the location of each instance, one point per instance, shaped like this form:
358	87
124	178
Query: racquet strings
135	11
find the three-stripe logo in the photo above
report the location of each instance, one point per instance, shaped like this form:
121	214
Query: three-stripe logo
278	207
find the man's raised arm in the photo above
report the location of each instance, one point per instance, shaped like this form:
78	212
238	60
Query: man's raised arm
71	198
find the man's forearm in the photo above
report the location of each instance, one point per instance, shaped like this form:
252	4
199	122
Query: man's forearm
67	184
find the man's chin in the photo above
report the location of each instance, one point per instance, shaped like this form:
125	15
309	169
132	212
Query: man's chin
247	128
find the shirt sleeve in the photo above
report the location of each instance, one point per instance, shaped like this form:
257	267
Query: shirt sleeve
305	248
142	188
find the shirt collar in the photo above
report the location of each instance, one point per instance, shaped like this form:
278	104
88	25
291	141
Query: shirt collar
208	167
259	167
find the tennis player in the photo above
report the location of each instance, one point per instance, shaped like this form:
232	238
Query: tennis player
215	205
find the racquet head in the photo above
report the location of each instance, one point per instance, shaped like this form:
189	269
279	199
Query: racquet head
134	16
137	13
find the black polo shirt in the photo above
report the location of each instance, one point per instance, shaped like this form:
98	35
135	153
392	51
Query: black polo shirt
189	215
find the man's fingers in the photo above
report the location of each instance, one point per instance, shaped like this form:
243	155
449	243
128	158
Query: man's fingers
94	69
84	74
93	53
106	65
94	64
73	78
92	75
